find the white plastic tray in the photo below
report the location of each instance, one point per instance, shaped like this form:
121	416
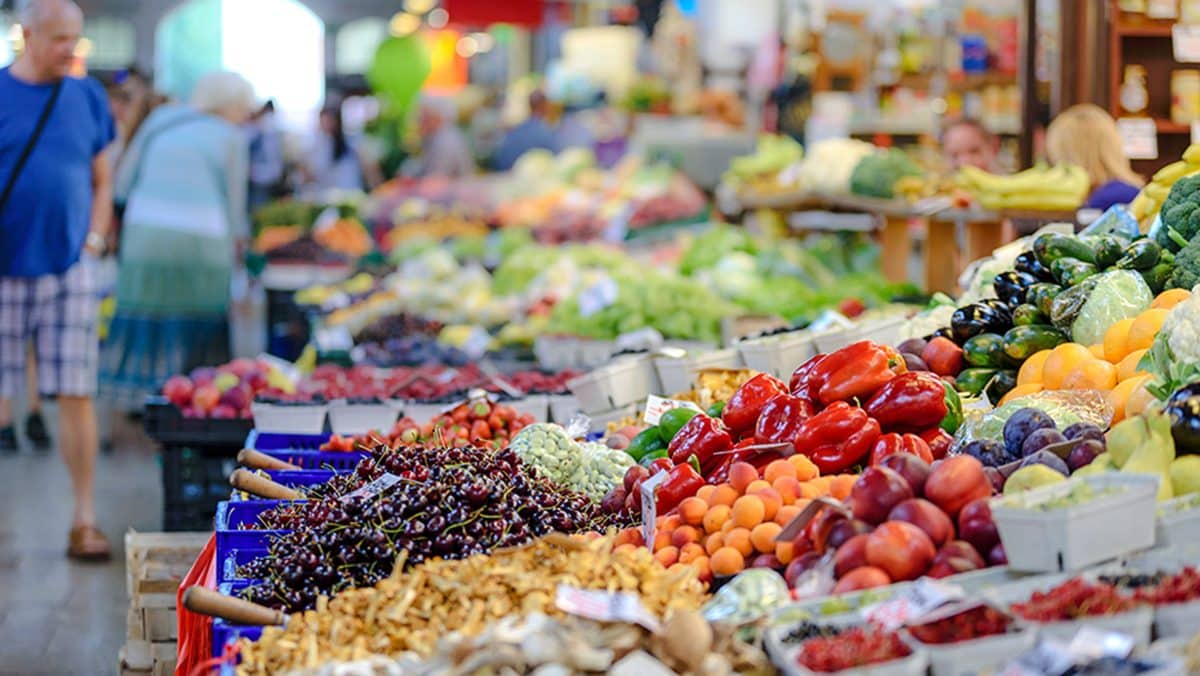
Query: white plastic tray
305	419
422	412
1072	537
556	353
1177	527
1177	620
784	655
1135	623
981	655
347	419
601	420
563	407
626	380
537	405
679	374
778	355
592	353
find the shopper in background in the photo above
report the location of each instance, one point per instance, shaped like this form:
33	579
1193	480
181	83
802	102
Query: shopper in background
183	183
534	132
444	148
573	130
1087	136
966	143
267	167
55	210
335	162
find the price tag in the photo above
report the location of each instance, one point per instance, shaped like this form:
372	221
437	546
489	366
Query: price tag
604	606
829	320
374	488
642	339
1195	131
1049	657
598	296
1185	43
1090	644
924	596
477	343
657	406
1140	137
650	508
1162	9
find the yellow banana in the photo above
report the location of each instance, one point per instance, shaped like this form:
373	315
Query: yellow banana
1171	173
1157	191
1192	154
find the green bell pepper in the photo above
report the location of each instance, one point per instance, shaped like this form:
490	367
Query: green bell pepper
954	412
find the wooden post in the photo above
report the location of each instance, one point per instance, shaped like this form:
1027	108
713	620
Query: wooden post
983	238
941	257
897	247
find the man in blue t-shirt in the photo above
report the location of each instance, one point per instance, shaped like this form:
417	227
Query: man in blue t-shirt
55	209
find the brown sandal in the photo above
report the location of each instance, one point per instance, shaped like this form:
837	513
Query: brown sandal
87	543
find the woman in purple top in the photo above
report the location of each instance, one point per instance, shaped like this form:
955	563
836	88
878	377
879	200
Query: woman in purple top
1087	136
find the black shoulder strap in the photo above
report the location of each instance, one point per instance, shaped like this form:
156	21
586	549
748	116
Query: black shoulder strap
33	139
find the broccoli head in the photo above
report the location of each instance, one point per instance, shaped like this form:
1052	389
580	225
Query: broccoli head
1187	267
1180	214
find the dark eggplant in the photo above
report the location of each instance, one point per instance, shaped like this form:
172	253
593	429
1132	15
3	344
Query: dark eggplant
1010	286
1029	264
976	318
1184	409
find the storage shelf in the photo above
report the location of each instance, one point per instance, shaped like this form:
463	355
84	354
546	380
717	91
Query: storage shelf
1169	127
1144	30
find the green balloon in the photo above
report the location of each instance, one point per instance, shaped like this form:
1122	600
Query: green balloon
400	68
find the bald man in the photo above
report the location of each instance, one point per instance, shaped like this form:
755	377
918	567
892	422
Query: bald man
55	208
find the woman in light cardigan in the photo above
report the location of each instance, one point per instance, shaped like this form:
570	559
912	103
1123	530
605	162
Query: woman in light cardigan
183	182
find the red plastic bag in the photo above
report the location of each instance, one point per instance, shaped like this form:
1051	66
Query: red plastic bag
195	631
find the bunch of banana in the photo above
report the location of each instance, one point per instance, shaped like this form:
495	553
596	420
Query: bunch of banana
1146	205
1062	187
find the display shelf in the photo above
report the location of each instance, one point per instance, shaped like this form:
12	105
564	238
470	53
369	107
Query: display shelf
1142	29
1169	127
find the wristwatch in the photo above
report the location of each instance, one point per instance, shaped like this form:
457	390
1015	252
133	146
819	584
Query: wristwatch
95	242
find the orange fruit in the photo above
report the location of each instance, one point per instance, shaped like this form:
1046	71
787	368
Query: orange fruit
841	485
739	539
662	539
690	552
728	526
692	511
748	511
788	488
667	556
805	469
724	495
1139	399
809	490
714	542
684	535
771	502
727	561
1062	361
1127	367
1119	395
785	552
1170	298
1116	340
715	517
703	568
1145	327
626	547
623	536
1096	374
1031	370
1097	350
779	468
705	493
1021	391
763	536
741	475
756	486
786	513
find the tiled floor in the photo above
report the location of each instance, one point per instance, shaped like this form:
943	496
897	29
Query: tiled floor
58	617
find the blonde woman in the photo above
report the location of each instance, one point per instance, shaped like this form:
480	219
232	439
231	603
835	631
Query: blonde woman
1086	136
183	182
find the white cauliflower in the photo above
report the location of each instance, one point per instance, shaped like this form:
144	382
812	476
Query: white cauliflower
1174	358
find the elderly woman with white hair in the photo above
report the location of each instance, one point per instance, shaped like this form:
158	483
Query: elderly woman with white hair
182	183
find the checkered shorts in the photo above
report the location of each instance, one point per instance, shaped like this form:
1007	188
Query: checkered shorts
59	315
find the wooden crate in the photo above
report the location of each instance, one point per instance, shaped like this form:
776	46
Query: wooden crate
155	564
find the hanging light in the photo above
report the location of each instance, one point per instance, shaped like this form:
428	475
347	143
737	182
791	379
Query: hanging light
438	18
403	24
484	42
419	6
467	47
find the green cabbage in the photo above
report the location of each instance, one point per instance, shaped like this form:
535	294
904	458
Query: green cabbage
1118	294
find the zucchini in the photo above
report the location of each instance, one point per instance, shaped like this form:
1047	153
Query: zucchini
1000	384
1157	277
1023	341
1042	295
1109	250
1027	314
1141	255
1051	247
1072	271
973	380
986	350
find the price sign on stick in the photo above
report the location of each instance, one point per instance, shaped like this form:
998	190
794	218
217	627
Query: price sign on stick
650	507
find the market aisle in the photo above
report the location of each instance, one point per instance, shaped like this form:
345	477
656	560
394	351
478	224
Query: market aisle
58	617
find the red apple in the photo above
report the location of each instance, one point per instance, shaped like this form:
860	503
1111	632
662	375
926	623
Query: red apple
956	481
876	492
205	398
924	515
914	470
766	561
241	366
951	565
799	566
844	530
257	380
959	549
203	375
975	525
866	577
224	411
851	555
901	549
820	527
237	397
178	390
997	557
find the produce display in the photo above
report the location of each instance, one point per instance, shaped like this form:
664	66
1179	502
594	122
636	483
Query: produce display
478	422
1073	599
226	391
853	648
1061	187
1149	202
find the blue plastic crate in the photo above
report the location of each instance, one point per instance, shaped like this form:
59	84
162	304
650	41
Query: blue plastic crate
223	632
302	478
303	451
228	564
238	544
271	441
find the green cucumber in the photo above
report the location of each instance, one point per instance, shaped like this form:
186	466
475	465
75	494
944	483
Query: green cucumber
1041	295
973	380
1025	315
1141	255
1157	276
985	350
1109	250
1023	341
1071	271
1050	247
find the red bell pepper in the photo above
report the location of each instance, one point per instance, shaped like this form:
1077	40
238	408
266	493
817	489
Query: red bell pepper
780	419
702	437
891	444
910	401
854	372
837	438
682	482
748	401
939	441
804	383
